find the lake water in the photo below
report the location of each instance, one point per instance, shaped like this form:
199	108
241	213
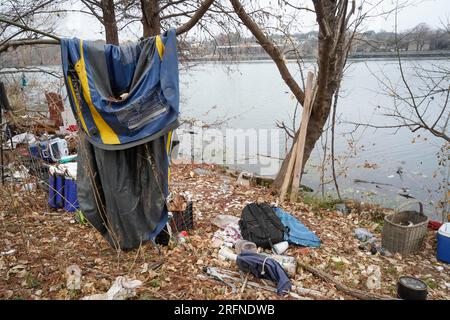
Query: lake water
252	96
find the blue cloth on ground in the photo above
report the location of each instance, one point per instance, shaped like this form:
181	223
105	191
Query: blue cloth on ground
264	267
298	233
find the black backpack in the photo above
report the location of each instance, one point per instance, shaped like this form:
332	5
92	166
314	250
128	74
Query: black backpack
261	225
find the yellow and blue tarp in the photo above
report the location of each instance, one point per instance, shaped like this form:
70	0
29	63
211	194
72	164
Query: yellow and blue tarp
126	102
123	96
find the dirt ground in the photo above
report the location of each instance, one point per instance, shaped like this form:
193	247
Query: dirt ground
38	244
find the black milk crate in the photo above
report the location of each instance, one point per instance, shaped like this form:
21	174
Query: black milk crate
183	220
180	221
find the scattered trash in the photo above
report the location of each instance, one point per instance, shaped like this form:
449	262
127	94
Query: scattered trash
244	245
384	252
288	263
73	275
182	236
29	186
227	254
221	274
364	235
122	289
21	174
223	220
227	237
7	253
280	247
374	280
244	178
214	273
23	138
434	225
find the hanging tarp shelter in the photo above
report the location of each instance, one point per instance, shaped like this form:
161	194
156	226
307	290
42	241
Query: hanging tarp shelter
126	102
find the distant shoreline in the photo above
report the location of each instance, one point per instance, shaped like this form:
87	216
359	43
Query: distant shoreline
369	56
355	56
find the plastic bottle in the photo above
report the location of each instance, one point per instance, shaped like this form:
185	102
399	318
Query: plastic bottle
227	254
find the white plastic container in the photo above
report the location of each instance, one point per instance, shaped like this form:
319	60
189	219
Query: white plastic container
280	247
227	254
58	149
288	263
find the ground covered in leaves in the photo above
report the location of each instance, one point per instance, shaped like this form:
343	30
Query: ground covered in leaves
38	244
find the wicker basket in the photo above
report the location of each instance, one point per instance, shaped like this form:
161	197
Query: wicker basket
404	231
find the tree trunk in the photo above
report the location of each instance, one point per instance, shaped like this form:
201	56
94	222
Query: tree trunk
330	64
110	23
150	18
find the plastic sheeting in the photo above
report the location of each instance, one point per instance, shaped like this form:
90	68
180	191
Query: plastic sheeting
298	233
122	193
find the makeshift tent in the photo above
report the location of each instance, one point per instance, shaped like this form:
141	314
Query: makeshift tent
126	101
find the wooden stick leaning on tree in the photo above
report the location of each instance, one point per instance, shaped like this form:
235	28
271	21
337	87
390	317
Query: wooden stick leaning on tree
299	152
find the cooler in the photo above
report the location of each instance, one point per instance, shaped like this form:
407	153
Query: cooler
443	243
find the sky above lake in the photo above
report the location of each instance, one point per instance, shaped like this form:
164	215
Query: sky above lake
432	12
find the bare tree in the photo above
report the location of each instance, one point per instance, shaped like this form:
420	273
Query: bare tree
420	35
334	41
31	14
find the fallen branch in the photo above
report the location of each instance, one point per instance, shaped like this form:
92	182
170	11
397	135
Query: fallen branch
341	287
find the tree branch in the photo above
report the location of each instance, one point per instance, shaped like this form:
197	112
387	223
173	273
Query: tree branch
29	28
271	50
195	18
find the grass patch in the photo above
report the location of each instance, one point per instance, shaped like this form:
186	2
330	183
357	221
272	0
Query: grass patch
155	283
339	266
32	282
430	283
317	203
74	294
391	270
147	296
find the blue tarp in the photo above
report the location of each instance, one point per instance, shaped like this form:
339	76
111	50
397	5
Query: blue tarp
298	233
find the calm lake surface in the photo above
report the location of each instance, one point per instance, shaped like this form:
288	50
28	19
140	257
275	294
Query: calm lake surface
252	95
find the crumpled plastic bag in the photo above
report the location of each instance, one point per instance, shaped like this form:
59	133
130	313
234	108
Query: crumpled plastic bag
227	237
224	220
364	235
121	289
73	275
